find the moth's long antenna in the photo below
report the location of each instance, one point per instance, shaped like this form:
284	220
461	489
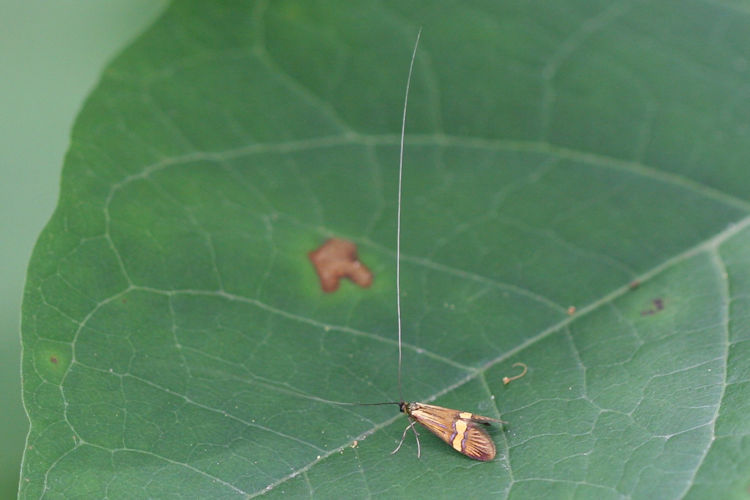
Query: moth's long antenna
398	217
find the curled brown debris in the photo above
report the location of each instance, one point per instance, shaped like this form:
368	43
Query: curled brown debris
508	380
336	259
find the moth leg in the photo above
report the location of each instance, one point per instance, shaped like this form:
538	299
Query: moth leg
416	435
403	436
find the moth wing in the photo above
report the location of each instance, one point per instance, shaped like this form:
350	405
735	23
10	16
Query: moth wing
486	420
458	429
436	419
477	444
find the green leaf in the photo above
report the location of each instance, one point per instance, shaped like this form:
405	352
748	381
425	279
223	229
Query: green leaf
176	340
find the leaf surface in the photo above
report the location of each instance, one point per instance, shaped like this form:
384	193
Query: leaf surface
593	155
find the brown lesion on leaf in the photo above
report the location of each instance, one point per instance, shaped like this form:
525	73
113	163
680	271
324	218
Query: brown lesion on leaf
336	259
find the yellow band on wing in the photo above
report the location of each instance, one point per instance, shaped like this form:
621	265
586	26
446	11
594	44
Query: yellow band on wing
457	443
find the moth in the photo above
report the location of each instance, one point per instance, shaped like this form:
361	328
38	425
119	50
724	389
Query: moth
463	431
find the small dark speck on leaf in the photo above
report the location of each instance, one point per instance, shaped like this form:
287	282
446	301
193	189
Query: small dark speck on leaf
337	259
658	306
634	284
53	360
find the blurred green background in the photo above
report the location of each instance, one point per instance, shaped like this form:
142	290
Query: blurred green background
51	54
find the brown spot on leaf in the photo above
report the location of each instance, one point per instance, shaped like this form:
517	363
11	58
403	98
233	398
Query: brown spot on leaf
571	310
336	259
634	284
53	360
